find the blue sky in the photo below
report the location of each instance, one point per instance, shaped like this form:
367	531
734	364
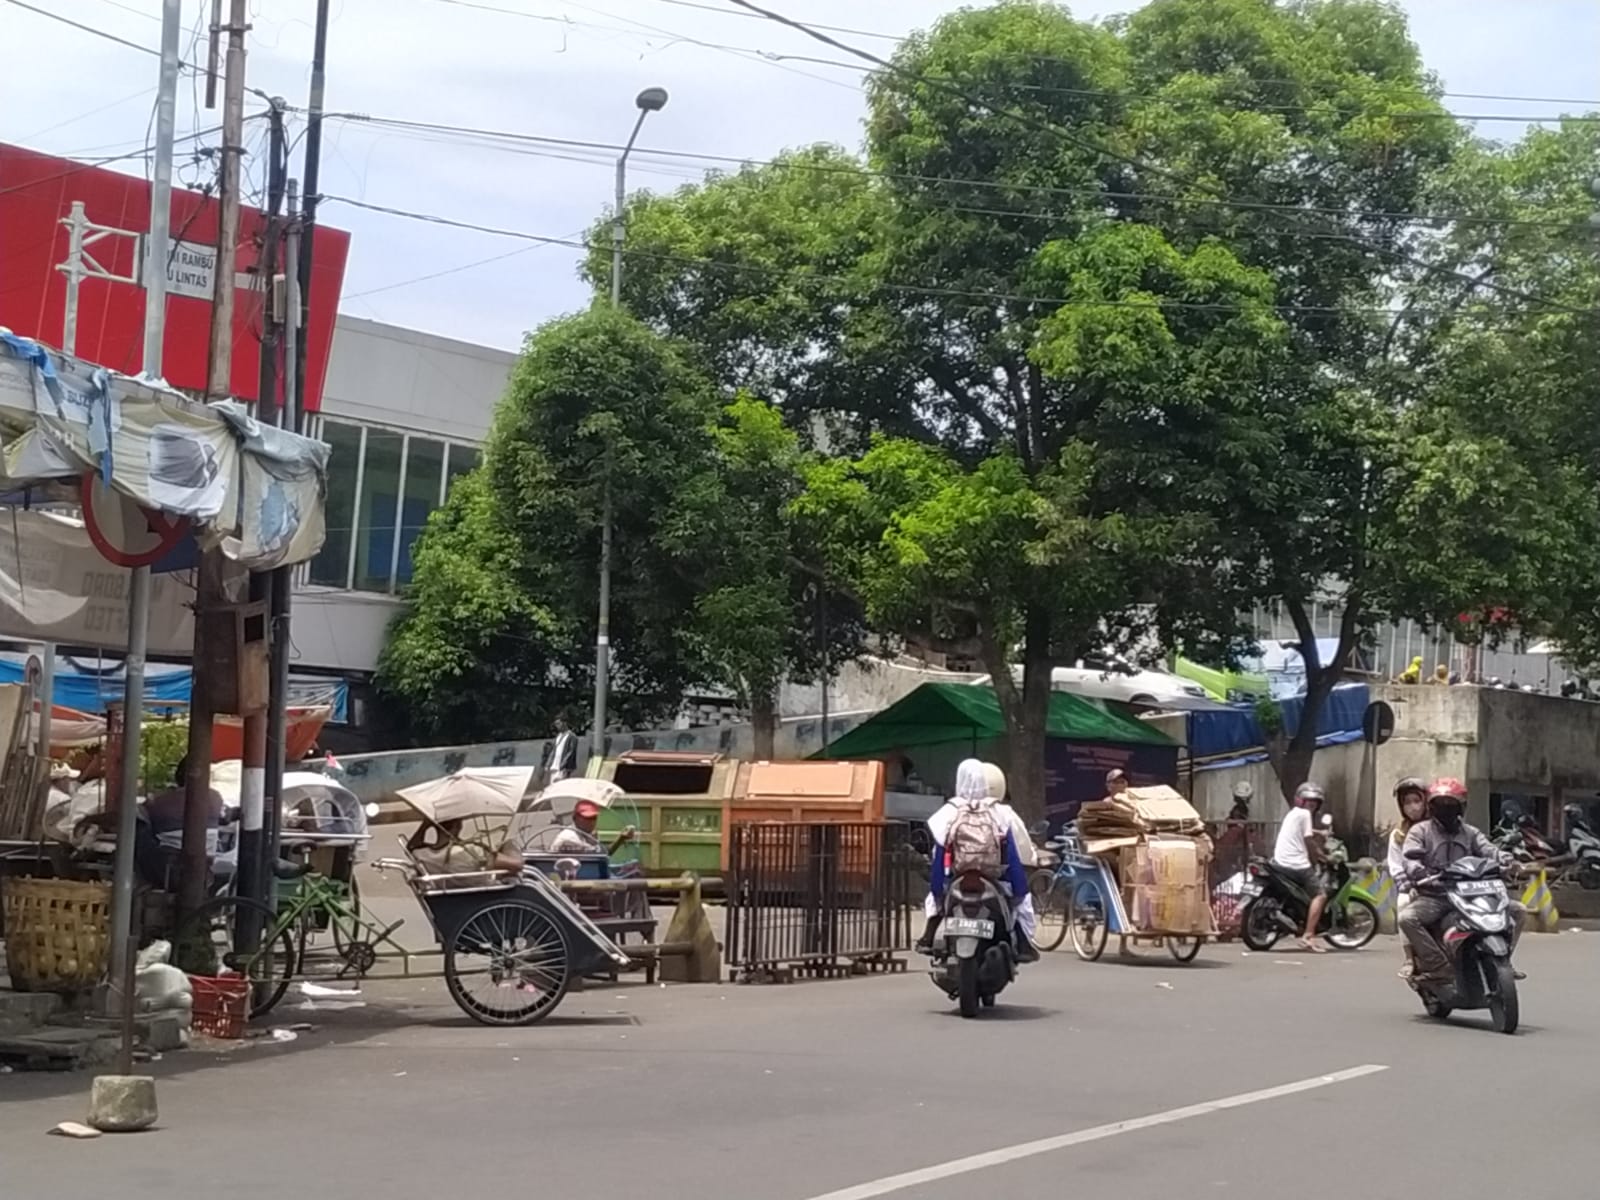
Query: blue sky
568	70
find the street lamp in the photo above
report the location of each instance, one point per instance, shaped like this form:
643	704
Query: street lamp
652	99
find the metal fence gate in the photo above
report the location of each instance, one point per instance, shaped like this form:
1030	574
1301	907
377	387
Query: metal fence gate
821	898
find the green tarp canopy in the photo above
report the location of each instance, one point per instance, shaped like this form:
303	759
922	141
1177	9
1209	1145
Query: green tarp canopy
941	713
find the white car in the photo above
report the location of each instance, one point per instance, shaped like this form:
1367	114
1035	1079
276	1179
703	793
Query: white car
1117	679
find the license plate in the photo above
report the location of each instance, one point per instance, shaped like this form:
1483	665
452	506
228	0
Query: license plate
1481	887
1250	889
968	927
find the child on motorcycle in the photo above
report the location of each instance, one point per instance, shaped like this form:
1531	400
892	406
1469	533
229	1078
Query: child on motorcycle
1411	798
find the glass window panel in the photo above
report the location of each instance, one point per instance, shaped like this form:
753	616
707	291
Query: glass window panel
380	489
331	566
462	460
424	465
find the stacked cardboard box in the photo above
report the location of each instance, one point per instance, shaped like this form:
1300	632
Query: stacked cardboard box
1162	853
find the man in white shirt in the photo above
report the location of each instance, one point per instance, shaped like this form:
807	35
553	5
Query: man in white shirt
1297	853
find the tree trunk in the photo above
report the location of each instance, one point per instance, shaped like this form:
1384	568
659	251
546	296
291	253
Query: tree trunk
1026	711
764	722
1291	757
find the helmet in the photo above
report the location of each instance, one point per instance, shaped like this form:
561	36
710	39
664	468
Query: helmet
1447	799
1309	793
1242	791
1574	814
1409	784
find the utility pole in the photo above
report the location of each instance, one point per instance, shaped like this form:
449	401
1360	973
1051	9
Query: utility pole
298	260
652	99
252	863
210	590
155	320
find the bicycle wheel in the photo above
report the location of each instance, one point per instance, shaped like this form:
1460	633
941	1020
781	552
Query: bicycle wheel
203	945
1053	909
345	923
1087	916
508	964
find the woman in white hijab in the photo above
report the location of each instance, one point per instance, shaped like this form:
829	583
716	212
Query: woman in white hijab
974	788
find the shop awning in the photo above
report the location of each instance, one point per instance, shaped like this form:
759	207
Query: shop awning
940	713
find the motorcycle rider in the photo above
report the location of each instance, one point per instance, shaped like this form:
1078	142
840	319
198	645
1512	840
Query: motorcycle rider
1429	848
1298	853
972	794
1411	798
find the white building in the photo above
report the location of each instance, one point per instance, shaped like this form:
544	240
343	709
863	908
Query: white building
406	413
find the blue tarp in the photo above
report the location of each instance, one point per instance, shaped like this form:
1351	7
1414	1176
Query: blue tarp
1235	728
90	691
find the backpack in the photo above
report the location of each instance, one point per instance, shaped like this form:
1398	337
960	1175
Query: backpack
976	842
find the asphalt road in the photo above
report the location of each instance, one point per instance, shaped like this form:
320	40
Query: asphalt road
1332	1086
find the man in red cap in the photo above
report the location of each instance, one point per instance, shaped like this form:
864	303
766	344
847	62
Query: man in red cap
580	837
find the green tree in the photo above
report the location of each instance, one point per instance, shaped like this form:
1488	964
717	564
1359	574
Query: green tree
762	617
496	638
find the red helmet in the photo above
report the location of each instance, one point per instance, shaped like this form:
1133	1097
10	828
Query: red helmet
1448	785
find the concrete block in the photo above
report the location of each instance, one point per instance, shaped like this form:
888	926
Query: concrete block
164	1031
27	1008
122	1103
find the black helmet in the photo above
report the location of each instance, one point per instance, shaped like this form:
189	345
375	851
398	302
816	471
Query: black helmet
1574	814
1309	793
1409	784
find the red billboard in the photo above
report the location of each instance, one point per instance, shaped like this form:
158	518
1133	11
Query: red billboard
37	192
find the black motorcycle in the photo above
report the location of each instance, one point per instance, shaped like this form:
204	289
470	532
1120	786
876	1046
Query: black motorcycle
1476	936
1275	904
974	951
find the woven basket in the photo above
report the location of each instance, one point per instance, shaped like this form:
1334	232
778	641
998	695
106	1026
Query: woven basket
58	933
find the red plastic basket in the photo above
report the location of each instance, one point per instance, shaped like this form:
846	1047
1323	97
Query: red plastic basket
221	1005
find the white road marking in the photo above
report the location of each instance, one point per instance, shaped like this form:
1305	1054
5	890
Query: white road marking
1007	1154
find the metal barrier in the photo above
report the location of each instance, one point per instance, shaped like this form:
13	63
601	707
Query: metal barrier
821	899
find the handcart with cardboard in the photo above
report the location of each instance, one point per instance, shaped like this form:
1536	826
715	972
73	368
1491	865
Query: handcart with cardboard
1140	872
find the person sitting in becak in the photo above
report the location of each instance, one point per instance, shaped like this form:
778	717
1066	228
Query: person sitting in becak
969	834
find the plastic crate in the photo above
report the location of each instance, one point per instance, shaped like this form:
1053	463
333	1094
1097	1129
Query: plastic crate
221	1005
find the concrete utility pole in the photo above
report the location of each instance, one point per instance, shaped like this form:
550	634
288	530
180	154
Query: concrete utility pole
210	592
251	876
155	322
652	99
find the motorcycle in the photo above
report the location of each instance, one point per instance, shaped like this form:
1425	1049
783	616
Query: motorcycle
1275	904
1476	939
974	950
1584	847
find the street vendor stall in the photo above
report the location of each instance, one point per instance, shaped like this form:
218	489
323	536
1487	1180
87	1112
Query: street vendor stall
143	479
1140	872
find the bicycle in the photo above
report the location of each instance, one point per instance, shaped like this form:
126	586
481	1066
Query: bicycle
1051	888
203	942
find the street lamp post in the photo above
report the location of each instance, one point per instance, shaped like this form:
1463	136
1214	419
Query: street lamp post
652	99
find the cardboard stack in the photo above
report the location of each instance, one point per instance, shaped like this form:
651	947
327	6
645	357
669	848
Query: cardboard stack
1161	851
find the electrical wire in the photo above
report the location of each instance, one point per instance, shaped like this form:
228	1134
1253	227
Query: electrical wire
141	152
493	135
432	275
780	59
1100	149
99	33
922	290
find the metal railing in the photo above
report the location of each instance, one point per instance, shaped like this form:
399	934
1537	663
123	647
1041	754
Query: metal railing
821	898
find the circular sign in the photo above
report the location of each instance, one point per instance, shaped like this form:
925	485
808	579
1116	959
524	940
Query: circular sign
1377	723
124	533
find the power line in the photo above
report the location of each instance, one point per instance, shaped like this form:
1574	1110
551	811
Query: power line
493	135
1101	150
923	290
99	33
481	262
897	38
141	152
780	59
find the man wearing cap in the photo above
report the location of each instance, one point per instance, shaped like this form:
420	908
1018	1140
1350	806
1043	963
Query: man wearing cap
1116	782
580	836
